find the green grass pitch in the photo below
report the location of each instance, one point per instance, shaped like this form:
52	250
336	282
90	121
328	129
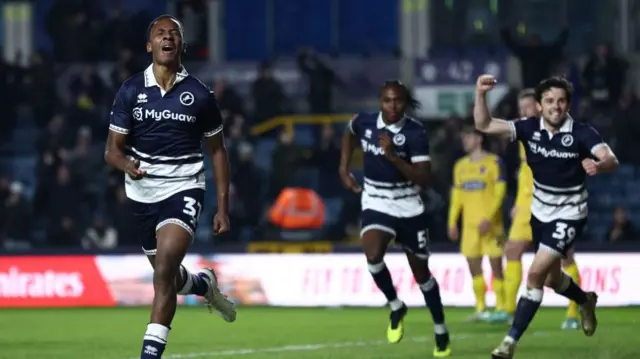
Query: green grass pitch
116	333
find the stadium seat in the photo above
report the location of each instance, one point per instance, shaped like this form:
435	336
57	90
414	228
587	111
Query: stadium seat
24	170
307	178
263	150
332	209
306	135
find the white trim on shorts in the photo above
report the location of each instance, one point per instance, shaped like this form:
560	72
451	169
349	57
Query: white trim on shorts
176	221
549	249
379	227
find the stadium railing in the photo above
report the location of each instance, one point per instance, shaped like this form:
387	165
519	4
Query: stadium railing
288	122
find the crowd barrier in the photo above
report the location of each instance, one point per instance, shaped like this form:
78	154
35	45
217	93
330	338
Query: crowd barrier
299	280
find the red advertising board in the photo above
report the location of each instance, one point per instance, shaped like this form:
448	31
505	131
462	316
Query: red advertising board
70	281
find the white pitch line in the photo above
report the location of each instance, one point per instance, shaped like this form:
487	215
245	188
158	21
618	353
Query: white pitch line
310	347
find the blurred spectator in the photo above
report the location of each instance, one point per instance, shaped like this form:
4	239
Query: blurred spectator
15	216
268	95
249	191
626	123
285	159
100	236
63	209
321	80
117	32
604	76
120	211
38	85
537	59
621	229
446	148
326	158
65	233
86	165
228	99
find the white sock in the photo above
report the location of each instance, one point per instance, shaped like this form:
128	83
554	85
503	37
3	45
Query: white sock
157	333
396	304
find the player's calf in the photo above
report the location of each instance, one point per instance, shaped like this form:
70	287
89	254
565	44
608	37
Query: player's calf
192	283
431	292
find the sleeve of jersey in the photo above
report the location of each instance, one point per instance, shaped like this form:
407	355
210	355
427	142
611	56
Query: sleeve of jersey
121	117
211	117
518	128
592	140
420	147
354	125
455	205
500	188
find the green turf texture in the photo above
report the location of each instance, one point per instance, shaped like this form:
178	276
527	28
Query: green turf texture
292	333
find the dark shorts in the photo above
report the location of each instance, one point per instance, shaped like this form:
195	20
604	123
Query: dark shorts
411	233
557	235
182	209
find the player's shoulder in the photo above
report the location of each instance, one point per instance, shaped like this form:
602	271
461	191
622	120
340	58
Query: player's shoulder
411	124
197	85
582	128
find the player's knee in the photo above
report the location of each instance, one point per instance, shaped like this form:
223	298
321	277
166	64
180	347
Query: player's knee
536	278
374	256
165	274
376	267
513	251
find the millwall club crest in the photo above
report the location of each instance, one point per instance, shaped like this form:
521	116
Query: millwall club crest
567	140
399	139
187	98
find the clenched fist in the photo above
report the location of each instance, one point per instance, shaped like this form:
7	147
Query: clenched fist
485	83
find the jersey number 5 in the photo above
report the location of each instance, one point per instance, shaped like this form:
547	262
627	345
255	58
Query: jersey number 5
192	208
564	232
423	239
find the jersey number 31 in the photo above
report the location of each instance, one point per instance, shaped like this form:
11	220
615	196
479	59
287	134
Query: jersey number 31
192	208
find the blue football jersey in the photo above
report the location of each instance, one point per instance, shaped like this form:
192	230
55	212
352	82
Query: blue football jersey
559	189
165	131
385	189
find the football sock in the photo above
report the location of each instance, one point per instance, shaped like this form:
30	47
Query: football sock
431	292
498	289
525	311
479	289
155	341
512	281
569	289
193	283
382	277
572	271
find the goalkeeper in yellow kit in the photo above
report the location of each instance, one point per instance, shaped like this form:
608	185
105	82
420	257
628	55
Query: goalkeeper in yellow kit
520	234
478	192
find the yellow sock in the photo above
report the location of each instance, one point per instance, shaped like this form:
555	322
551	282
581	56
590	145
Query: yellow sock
498	289
479	289
572	271
512	281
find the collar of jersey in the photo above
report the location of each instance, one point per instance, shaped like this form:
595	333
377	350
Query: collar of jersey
394	127
150	79
566	127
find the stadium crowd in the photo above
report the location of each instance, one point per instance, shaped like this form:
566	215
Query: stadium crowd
74	200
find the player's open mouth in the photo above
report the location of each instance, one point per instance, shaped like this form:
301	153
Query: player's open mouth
167	48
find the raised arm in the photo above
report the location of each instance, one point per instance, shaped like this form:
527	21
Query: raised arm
481	115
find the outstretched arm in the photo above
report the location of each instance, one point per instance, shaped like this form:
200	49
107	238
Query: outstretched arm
481	115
